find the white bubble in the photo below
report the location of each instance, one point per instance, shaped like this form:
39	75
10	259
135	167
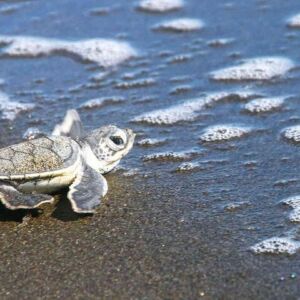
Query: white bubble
179	58
10	109
160	5
264	104
187	166
9	9
223	132
132	172
236	205
187	111
98	77
294	216
103	52
139	83
292	133
151	142
170	156
261	68
277	245
294	21
220	42
32	133
294	202
180	25
99	102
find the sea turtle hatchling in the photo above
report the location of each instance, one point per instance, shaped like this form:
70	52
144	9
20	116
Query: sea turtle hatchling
30	172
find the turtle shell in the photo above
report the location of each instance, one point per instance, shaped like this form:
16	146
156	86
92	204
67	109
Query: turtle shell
38	157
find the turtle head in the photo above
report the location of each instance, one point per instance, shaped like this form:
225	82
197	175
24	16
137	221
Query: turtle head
108	144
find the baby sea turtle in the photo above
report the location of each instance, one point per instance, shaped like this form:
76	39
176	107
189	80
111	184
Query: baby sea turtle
30	172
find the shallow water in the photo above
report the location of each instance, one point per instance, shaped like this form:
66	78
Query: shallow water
184	215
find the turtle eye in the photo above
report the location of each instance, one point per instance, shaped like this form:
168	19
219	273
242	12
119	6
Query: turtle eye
117	140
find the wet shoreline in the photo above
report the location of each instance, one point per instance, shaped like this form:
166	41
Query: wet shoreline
215	106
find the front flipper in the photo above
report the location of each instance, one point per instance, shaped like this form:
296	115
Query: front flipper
13	199
87	190
71	126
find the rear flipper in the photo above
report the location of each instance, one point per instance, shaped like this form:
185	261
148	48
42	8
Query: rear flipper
13	199
87	190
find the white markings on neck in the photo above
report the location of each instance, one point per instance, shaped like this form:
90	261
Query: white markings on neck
98	165
91	159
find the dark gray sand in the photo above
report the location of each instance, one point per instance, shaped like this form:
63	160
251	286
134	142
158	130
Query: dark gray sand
182	215
146	242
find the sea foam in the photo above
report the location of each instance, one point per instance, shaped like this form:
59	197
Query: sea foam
277	245
10	109
293	202
148	142
180	25
261	68
264	104
170	156
294	21
160	5
99	102
187	166
223	132
139	83
187	111
292	133
104	52
32	133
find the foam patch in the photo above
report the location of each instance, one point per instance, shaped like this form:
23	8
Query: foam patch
294	21
187	166
32	133
277	245
187	111
151	142
293	202
292	133
99	102
10	109
219	133
169	156
261	68
139	83
104	52
264	104
220	42
160	5
180	25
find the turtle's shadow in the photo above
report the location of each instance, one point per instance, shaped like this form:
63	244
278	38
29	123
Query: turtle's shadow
63	210
7	215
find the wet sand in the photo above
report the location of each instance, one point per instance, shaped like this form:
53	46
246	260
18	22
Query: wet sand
146	242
